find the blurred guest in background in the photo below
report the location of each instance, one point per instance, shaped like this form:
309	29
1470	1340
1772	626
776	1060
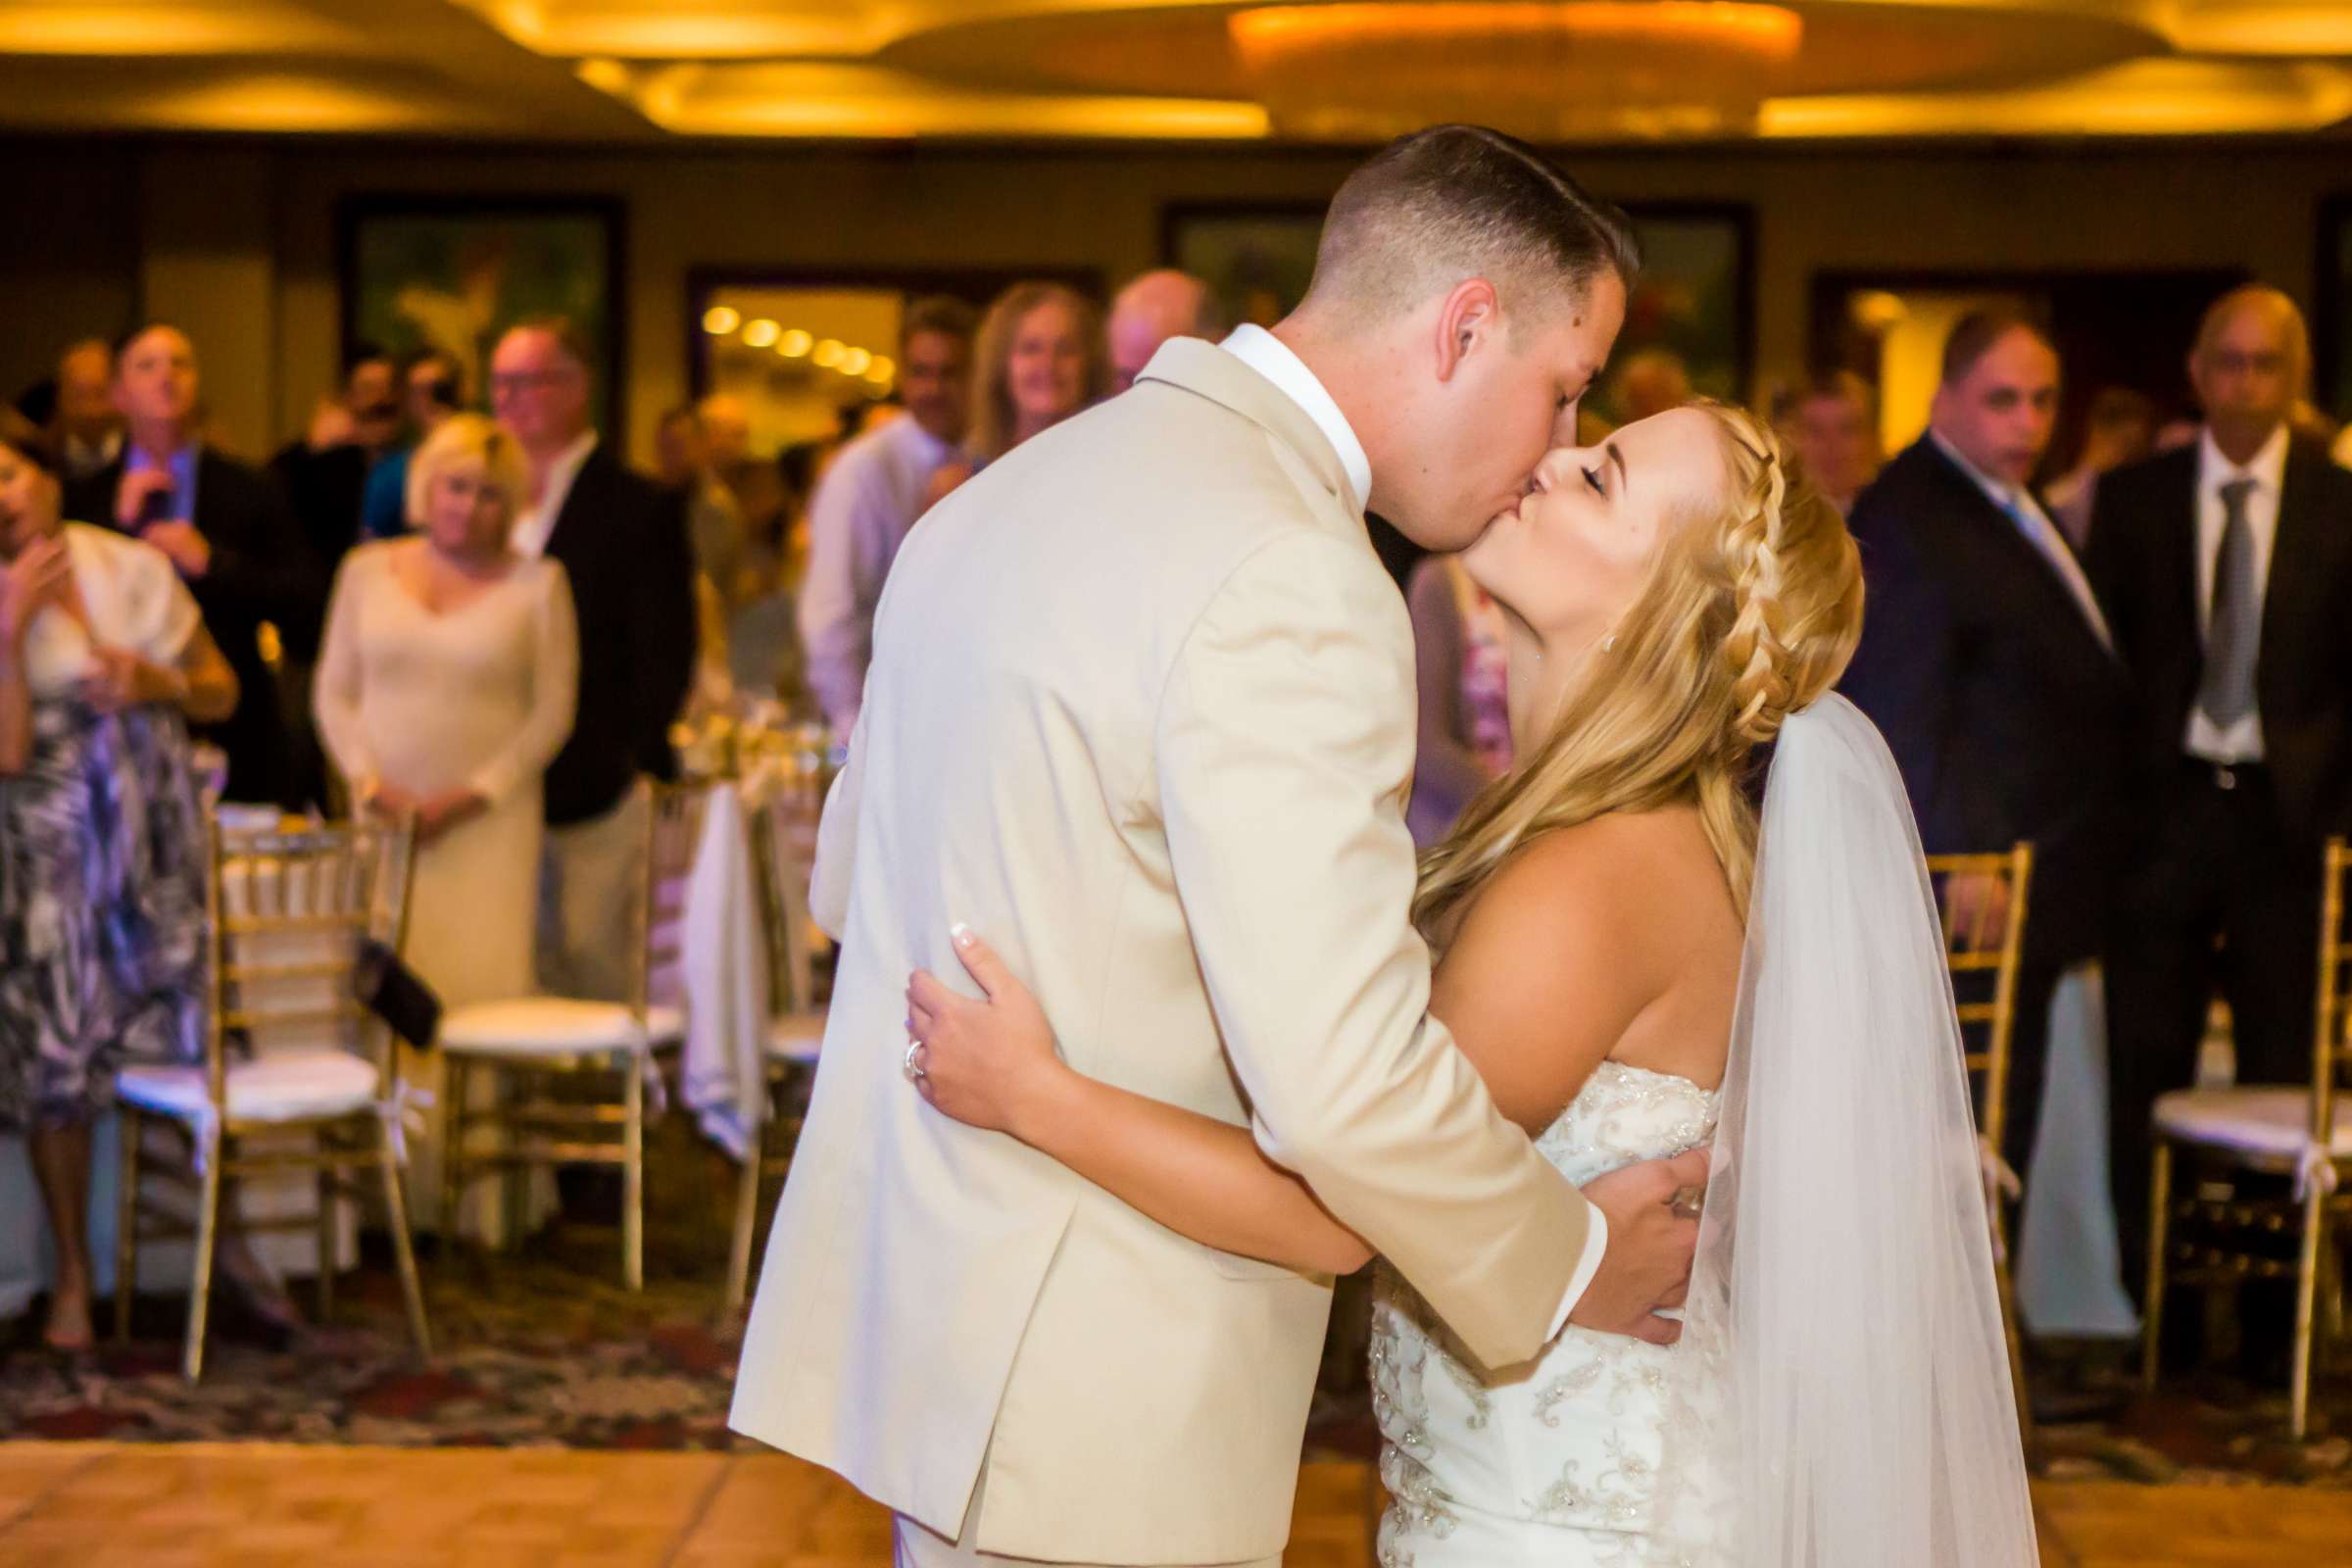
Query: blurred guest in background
1988	664
432	388
871	496
2226	568
1832	420
713	522
1038	359
445	685
1149	310
1650	382
1462	672
227	532
325	474
2121	428
87	427
102	840
726	431
764	502
325	477
621	541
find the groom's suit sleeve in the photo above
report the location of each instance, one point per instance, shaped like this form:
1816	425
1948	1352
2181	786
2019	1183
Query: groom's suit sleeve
1285	745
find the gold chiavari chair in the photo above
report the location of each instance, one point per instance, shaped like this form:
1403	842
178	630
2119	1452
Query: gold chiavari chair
795	1025
288	910
2303	1134
1984	900
534	1043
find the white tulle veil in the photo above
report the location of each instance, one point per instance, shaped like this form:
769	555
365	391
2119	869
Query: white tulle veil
1850	1403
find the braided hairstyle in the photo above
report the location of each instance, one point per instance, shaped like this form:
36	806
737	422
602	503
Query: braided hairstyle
1751	609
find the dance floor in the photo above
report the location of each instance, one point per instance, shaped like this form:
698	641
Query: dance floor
255	1505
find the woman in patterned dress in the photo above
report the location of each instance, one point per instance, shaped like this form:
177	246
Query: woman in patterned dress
103	660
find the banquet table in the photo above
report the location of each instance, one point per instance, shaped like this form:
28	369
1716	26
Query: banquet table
728	960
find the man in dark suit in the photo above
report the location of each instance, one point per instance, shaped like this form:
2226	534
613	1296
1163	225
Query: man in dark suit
2226	566
1986	663
322	474
621	539
226	529
324	471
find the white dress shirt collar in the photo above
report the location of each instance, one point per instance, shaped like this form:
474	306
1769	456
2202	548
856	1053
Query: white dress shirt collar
535	525
2268	469
1272	358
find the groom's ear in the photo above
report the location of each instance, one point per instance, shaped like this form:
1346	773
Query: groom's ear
1469	321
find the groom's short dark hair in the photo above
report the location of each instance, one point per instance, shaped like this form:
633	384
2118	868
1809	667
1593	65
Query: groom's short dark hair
1461	201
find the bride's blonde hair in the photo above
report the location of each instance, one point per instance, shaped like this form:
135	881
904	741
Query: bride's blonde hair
1751	610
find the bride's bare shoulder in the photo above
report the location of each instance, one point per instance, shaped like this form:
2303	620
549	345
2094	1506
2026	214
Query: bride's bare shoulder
1630	902
1563	950
1624	859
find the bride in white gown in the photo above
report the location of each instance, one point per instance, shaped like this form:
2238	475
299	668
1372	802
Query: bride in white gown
1636	973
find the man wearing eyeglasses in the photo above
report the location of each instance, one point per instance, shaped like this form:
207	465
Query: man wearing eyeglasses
621	540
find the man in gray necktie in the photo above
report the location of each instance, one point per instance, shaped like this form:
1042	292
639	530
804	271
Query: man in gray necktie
2226	568
2233	619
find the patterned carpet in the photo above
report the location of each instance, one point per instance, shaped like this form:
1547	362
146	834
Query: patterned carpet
541	1347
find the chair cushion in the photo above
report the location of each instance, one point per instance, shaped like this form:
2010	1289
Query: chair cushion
554	1027
796	1036
278	1086
2268	1123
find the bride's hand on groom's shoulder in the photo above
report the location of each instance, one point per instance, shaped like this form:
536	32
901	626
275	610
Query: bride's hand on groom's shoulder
988	1063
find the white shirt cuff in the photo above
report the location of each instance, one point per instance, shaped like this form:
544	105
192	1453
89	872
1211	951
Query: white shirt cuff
1597	1242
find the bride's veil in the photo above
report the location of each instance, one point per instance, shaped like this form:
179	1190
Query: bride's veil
1850	1404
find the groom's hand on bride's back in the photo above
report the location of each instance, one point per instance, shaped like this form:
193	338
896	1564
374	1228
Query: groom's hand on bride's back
1646	1267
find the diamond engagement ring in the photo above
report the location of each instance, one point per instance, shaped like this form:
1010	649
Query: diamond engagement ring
912	1067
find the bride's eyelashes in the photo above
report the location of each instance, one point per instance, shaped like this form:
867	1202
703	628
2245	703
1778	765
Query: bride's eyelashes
1593	478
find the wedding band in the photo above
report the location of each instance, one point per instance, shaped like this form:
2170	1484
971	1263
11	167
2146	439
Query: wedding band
912	1067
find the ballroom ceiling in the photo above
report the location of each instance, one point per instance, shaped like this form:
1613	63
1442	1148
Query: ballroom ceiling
1591	71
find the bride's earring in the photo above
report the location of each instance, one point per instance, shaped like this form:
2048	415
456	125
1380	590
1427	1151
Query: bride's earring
1608	644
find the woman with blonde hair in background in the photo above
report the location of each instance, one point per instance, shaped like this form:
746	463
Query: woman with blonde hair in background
445	685
1636	970
1039	357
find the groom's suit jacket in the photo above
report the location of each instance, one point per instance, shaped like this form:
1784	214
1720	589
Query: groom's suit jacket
1140	712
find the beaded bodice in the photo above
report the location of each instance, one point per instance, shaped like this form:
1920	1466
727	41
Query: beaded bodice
1564	1448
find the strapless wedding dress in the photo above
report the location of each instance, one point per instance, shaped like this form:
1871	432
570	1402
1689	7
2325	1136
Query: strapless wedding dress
1557	1461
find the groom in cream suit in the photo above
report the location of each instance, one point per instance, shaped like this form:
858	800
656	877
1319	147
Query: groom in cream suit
1141	710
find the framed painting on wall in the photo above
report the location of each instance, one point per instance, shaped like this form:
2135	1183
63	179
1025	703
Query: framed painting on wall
455	274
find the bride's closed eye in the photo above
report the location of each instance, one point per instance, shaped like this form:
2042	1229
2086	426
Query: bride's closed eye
1593	478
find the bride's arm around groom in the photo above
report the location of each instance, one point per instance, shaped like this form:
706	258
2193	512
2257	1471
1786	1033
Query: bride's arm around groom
1285	724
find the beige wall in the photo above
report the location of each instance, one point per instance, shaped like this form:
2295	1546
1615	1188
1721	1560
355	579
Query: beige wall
238	239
